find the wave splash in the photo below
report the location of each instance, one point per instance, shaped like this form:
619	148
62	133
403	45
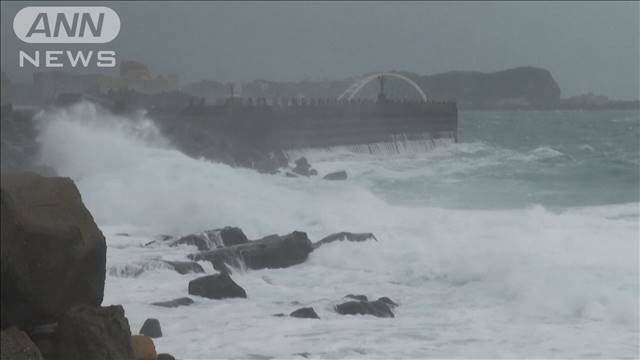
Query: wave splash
531	263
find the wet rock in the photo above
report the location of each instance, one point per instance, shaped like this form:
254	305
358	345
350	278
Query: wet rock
388	301
305	313
345	236
338	175
185	267
143	348
313	172
269	252
279	315
217	286
302	167
97	333
376	308
291	175
16	345
53	254
165	356
212	239
183	301
357	297
151	328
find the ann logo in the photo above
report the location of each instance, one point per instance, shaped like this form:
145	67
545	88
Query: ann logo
66	24
41	25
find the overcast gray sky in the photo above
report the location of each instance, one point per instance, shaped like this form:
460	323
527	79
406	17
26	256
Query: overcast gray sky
588	47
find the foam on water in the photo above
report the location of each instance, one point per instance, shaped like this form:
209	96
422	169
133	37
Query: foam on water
505	282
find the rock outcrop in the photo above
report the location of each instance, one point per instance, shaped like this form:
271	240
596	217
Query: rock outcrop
52	253
269	252
217	286
97	333
16	345
151	328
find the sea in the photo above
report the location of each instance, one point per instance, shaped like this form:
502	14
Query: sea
521	240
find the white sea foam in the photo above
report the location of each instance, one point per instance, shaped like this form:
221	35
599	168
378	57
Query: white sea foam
526	282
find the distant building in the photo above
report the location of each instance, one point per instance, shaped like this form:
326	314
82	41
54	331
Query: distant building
133	76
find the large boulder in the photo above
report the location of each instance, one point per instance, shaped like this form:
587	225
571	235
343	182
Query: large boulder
16	345
52	253
217	286
345	236
270	252
212	239
143	348
97	333
151	328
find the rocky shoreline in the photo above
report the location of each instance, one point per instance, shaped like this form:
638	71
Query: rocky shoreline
54	267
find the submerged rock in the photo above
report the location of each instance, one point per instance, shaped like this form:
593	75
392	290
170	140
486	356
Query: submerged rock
305	313
345	236
97	333
269	252
16	345
53	254
185	267
212	239
183	301
165	356
338	175
151	328
376	308
217	286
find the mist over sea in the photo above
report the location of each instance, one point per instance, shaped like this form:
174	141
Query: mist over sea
521	240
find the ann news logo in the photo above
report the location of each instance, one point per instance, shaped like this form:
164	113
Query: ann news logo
67	25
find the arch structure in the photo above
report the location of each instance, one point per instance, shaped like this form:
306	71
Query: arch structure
359	84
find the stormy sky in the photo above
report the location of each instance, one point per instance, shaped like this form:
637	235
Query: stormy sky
588	47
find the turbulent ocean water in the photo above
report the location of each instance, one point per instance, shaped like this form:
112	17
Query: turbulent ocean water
519	241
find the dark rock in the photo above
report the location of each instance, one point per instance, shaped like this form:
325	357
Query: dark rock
313	172
165	356
376	308
291	175
305	313
97	333
16	345
269	252
345	236
388	301
53	254
279	315
357	297
183	301
305	355
302	167
151	328
212	239
217	286
338	175
185	267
